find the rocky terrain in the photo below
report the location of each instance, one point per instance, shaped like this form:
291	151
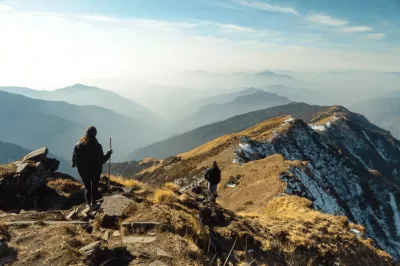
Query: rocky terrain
138	224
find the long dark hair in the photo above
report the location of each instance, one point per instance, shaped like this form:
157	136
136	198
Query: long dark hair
85	139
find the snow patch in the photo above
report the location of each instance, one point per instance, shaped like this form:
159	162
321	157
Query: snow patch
376	148
396	215
356	232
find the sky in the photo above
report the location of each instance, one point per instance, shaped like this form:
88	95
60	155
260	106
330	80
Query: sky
47	44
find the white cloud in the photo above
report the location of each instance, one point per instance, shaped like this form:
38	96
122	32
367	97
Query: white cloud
327	20
236	28
100	18
225	5
160	24
5	8
374	36
357	29
267	7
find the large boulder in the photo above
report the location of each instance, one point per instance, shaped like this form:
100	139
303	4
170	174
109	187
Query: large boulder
37	155
22	178
113	209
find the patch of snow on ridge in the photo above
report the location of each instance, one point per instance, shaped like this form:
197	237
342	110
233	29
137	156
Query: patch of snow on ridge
396	215
376	148
319	128
287	121
323	127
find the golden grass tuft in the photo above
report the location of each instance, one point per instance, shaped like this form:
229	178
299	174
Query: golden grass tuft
127	182
64	185
172	187
164	196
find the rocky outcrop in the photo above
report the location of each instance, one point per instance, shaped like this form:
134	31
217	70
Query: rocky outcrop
22	178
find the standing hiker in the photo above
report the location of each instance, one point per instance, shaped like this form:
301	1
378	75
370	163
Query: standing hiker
89	158
213	176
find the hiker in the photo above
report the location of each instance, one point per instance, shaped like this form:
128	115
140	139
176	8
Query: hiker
213	176
88	157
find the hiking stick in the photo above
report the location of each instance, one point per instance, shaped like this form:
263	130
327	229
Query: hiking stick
109	170
230	252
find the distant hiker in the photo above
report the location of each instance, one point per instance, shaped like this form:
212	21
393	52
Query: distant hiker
89	158
213	176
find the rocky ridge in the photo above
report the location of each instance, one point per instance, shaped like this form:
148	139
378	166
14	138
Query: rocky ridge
341	162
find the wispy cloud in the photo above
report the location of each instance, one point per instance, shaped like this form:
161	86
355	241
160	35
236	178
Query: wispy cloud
226	5
374	36
100	18
267	7
5	8
357	29
236	28
327	20
160	24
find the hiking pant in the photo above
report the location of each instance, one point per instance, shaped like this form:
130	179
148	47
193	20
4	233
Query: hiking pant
91	184
213	188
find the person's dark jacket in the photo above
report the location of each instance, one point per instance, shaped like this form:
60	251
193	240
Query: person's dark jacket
89	158
213	175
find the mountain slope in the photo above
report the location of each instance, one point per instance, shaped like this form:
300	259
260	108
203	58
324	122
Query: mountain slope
10	152
193	106
80	94
344	164
383	111
300	94
191	139
241	104
33	123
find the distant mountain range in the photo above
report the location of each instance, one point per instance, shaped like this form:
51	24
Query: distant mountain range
80	94
300	94
32	123
383	111
207	79
242	103
191	139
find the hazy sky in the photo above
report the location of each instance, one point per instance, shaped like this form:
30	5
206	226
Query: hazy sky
54	43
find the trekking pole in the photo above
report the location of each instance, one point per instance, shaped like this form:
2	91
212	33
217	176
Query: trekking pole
109	170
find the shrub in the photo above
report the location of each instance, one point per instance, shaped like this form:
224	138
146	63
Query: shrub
127	182
164	196
172	187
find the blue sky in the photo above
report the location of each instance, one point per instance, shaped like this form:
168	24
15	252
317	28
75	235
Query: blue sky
323	22
179	34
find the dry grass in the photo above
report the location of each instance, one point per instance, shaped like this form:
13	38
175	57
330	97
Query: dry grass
164	196
172	187
7	170
127	182
49	245
64	185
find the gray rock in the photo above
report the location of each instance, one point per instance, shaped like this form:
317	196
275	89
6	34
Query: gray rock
22	168
138	239
116	234
157	263
91	248
37	155
115	205
72	215
113	208
162	253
